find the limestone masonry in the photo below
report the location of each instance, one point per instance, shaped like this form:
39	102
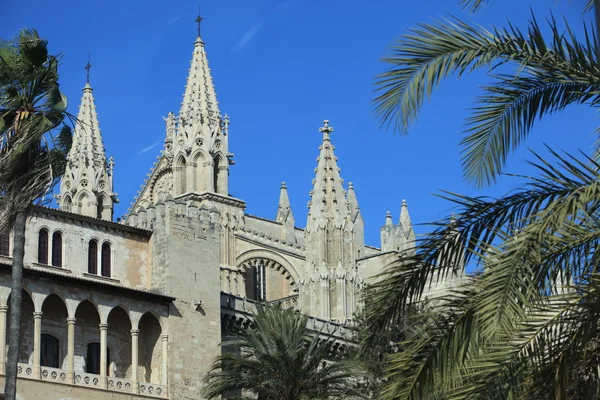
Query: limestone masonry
138	308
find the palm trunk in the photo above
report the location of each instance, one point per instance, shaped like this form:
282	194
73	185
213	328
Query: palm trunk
16	300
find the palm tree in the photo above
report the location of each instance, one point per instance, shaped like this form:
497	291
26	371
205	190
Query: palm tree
526	324
279	358
31	157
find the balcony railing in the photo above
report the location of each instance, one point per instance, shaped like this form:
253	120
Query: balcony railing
287	302
93	381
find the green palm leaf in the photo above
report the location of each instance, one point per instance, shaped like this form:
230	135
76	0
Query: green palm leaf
551	75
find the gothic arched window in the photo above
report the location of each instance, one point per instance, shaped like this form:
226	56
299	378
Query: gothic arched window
43	246
49	351
92	361
93	257
100	208
4	244
57	249
106	259
256	282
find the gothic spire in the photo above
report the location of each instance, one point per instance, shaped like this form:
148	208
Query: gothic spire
328	199
86	188
200	106
284	211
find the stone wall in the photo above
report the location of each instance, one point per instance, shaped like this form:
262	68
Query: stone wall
130	249
186	244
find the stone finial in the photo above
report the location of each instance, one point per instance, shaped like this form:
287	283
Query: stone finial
326	129
388	218
405	221
284	209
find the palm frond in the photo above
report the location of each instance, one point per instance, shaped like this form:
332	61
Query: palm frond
551	75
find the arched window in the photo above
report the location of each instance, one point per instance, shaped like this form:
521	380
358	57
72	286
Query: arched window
93	257
4	244
180	175
43	247
57	249
256	283
105	260
216	175
92	361
49	351
100	210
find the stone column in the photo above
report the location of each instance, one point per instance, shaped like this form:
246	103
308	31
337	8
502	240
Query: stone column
3	312
70	350
103	351
134	358
165	349
37	342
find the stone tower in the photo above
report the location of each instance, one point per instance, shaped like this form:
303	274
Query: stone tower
334	241
87	186
399	237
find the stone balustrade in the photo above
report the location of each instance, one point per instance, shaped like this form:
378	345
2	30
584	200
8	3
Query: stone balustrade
61	376
152	389
287	302
54	375
120	385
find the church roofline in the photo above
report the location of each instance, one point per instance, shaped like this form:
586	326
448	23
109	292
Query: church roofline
94	221
88	282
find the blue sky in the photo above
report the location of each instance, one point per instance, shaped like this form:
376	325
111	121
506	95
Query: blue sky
280	67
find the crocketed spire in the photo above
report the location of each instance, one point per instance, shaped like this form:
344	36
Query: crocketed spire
334	239
87	186
201	139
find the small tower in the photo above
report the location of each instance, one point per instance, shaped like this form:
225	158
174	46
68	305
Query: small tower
87	185
399	237
201	142
334	240
284	215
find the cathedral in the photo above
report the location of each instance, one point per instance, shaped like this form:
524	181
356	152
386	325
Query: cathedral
136	308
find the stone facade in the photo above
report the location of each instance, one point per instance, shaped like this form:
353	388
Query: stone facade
137	309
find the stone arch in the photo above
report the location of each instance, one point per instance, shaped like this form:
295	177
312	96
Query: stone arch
87	330
54	323
27	310
264	253
220	173
119	342
66	203
202	180
150	348
162	185
267	275
86	204
180	170
103	206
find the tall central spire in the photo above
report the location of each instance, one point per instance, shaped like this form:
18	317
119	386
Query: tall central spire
87	186
201	141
